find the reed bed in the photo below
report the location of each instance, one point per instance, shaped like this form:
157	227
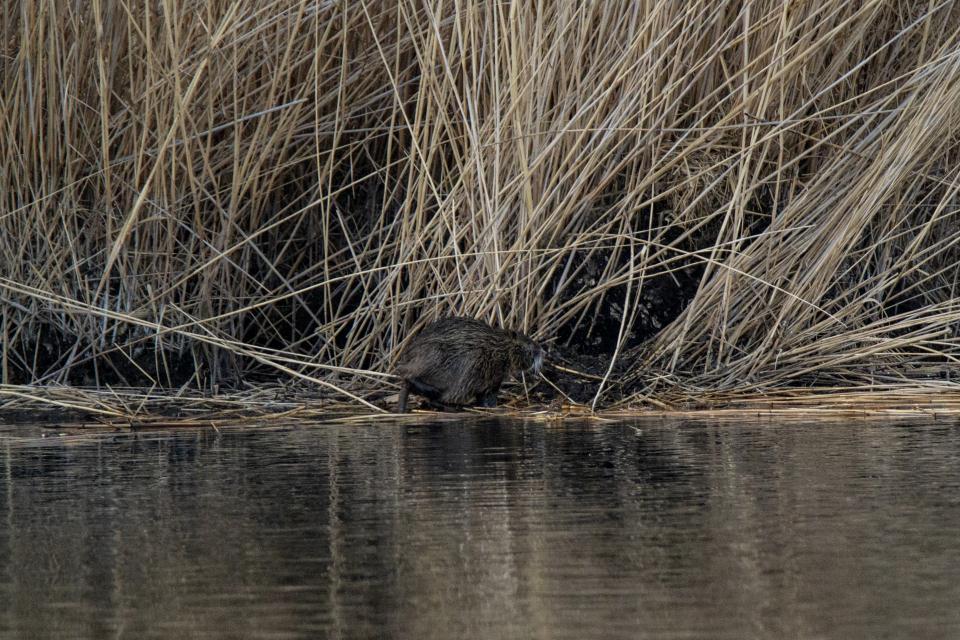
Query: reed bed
691	201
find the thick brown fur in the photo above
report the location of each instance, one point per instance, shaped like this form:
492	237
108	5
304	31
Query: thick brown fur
461	361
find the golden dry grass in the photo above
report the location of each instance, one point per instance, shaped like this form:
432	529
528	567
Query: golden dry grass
286	189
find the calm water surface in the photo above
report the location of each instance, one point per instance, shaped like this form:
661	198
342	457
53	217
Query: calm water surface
484	530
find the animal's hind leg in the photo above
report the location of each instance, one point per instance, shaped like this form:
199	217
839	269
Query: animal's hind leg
424	389
489	399
415	385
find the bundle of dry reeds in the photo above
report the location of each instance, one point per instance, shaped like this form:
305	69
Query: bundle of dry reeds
712	195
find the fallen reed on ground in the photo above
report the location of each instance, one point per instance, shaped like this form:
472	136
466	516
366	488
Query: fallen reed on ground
685	198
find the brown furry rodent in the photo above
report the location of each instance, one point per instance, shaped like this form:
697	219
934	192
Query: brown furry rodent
462	361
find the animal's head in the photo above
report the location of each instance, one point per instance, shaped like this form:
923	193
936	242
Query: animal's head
528	355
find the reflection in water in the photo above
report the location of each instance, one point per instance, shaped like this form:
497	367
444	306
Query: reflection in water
485	530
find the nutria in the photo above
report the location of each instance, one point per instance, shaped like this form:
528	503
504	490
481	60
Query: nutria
462	361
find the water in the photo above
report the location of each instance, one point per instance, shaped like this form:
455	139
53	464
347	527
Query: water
484	530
